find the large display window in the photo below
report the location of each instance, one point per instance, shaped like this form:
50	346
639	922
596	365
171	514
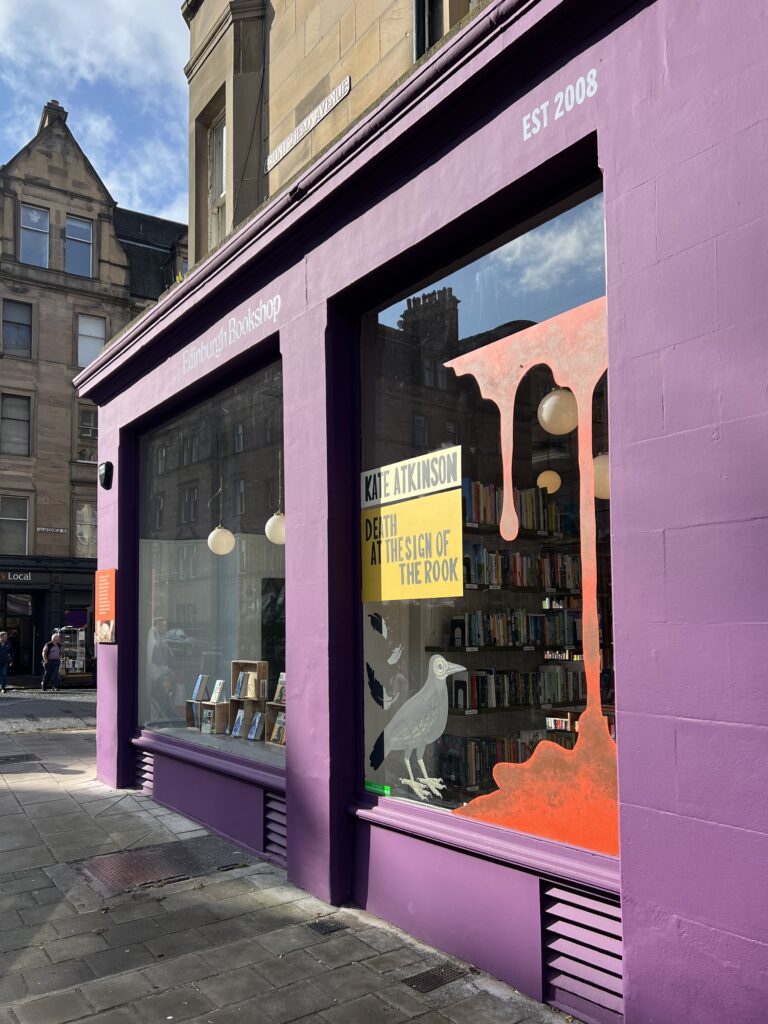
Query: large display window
211	582
485	530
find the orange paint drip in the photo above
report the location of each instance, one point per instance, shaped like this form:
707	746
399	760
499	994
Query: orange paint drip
567	795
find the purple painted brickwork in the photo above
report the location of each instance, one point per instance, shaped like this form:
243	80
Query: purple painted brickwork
684	165
682	133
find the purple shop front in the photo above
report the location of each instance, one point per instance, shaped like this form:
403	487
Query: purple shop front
583	816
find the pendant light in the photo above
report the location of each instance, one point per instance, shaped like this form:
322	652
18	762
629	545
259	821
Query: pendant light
275	527
558	412
549	481
602	476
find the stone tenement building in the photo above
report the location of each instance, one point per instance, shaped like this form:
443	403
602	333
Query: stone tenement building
74	270
272	85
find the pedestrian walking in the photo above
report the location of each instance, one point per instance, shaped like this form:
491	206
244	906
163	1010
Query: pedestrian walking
6	660
52	663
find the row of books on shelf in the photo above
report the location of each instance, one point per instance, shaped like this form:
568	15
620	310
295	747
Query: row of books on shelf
253	685
467	761
490	688
536	510
509	627
548	570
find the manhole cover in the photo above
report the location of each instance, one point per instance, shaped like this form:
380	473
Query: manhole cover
18	758
434	978
326	926
113	873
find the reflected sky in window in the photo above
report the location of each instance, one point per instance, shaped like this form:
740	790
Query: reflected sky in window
554	267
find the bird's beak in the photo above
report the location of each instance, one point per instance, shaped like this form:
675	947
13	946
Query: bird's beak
451	668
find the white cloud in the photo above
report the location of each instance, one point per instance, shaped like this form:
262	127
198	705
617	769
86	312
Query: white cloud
554	253
117	67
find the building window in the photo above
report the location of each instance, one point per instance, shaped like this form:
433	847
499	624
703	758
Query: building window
240	497
239	437
217	182
85	529
17	329
428	372
78	247
34	236
87	434
15	421
420	432
189	505
159	511
190	449
162	458
14	513
91	336
473	588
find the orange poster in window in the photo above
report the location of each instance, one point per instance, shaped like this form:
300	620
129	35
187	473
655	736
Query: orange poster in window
104	605
566	795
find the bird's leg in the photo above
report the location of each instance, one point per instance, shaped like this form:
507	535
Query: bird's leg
418	788
433	785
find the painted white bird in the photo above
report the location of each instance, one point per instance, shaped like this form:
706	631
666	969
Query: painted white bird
419	722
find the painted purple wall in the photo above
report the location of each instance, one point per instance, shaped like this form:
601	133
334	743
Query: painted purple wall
682	140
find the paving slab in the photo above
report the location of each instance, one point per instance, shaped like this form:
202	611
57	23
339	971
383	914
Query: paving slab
208	950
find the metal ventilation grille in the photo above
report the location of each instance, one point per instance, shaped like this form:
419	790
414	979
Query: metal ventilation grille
582	948
145	772
275	830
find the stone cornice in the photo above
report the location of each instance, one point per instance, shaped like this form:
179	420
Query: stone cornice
235	10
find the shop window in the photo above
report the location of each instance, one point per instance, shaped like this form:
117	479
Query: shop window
91	337
78	247
87	434
17	329
15	423
487	645
85	529
14	513
34	236
209	615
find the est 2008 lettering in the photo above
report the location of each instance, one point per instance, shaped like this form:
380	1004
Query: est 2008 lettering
565	100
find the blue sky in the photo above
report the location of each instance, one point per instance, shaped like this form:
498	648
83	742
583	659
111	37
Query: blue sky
117	67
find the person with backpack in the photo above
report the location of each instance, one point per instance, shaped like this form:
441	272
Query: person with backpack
52	663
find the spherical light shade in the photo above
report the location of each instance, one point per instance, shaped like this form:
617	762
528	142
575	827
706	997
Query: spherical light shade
549	480
602	476
275	528
558	412
221	541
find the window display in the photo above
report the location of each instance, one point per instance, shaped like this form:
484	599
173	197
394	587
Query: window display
485	539
212	585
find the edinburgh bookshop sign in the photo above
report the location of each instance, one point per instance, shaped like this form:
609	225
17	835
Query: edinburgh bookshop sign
411	528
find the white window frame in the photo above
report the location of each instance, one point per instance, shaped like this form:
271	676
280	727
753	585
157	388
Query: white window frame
217	181
43	231
83	334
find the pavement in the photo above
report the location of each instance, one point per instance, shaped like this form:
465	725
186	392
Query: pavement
238	945
29	710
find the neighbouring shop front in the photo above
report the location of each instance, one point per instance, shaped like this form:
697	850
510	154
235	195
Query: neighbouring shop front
383	613
40	595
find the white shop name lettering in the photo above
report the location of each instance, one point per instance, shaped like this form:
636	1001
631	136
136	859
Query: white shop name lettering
234	329
563	102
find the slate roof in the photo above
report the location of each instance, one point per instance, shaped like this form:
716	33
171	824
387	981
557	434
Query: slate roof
150	244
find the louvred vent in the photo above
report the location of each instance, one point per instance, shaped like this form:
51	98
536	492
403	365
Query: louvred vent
275	831
145	772
582	947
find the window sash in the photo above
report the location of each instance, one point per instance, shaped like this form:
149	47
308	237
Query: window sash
91	338
34	236
15	415
17	328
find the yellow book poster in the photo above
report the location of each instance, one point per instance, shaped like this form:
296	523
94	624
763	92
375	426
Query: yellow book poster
412	545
